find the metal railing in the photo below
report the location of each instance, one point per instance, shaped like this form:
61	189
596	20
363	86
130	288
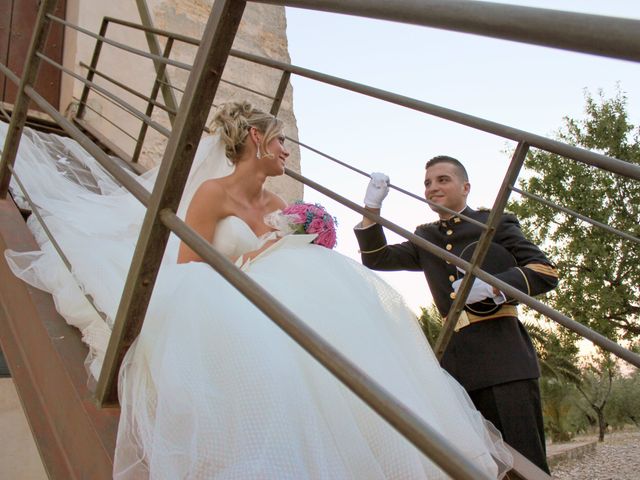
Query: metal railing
616	38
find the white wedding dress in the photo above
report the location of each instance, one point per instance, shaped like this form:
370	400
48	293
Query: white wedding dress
212	389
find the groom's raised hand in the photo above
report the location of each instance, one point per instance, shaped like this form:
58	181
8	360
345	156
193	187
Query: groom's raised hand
377	190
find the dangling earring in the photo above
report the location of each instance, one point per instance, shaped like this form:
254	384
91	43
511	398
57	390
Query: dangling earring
258	154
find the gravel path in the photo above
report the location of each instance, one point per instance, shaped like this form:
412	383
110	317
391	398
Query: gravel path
618	457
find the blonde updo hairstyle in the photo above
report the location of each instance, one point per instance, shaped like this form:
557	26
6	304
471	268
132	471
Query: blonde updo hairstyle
233	121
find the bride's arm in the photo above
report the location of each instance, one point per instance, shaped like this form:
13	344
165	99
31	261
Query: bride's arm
203	214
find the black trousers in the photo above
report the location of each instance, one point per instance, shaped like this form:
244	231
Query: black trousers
514	408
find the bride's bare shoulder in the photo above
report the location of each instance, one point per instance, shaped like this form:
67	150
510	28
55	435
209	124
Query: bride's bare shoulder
211	194
210	188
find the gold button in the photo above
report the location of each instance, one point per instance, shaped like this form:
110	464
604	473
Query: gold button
448	247
456	220
449	232
452	295
451	278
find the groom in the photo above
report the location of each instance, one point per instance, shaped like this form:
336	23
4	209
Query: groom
492	355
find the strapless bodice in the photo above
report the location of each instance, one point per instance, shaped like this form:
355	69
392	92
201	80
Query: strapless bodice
233	237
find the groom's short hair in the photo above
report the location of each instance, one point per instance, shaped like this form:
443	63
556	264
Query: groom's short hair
446	159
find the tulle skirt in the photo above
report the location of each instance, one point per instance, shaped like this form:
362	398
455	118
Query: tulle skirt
214	389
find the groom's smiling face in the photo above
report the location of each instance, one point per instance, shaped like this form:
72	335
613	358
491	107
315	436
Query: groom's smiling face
444	186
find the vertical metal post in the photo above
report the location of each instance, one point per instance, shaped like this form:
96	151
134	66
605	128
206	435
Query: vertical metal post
202	85
482	248
168	94
20	110
154	94
92	68
282	87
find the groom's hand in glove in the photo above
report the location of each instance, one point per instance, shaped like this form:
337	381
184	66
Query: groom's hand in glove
479	291
377	190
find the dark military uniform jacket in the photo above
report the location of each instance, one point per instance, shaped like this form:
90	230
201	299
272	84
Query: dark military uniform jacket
490	352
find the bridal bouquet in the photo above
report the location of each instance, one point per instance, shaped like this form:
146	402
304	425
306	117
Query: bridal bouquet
306	218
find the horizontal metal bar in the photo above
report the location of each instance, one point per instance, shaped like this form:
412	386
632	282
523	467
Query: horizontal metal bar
157	31
578	32
112	123
129	89
170	85
5	113
568	211
413	427
20	111
585	156
122	46
399	189
56	246
107	162
97	88
242	87
580	329
122	158
537	141
571	324
95	57
115	104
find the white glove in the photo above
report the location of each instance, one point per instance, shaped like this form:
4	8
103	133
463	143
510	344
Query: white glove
376	190
479	291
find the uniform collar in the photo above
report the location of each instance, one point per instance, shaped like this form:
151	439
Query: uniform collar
455	219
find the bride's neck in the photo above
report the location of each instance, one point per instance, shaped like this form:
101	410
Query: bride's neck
247	183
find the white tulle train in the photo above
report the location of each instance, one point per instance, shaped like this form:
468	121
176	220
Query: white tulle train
212	388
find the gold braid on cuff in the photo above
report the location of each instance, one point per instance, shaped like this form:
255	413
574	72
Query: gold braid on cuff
373	251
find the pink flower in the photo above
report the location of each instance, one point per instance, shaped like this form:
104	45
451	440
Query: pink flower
310	218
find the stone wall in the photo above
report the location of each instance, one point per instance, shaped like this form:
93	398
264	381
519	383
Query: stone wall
262	32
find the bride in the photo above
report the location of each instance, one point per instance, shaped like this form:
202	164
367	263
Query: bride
212	388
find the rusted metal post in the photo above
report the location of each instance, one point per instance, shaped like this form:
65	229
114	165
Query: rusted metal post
168	95
482	248
282	87
154	94
92	68
20	110
203	82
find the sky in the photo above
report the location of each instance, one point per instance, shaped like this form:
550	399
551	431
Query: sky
528	87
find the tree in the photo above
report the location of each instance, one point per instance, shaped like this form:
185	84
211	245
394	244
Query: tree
563	417
557	352
624	403
595	387
558	355
600	272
